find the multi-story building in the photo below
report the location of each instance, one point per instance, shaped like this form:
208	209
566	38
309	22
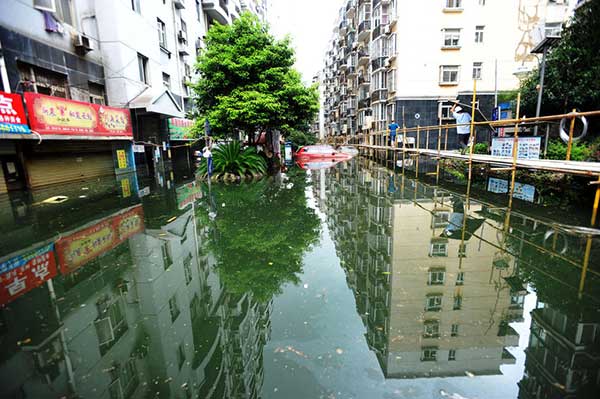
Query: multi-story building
134	55
405	61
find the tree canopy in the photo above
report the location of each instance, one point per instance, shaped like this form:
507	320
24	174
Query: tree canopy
247	82
572	78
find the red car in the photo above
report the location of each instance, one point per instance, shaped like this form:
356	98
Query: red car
320	152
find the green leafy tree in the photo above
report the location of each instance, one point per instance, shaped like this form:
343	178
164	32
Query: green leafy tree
259	251
230	158
572	78
247	82
299	138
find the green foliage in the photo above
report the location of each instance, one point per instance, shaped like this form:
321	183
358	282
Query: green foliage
481	148
260	234
299	138
572	78
558	150
230	158
247	81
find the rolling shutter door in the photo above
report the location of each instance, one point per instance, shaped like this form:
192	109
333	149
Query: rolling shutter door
3	188
66	161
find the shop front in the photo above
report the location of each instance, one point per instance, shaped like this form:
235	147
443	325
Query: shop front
182	144
69	141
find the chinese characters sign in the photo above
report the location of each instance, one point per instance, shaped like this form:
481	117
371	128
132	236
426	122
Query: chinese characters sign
25	272
529	147
79	248
58	116
12	115
121	159
180	129
187	194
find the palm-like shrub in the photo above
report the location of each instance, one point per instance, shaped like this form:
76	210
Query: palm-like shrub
230	158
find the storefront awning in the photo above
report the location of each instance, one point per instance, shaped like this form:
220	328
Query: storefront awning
162	102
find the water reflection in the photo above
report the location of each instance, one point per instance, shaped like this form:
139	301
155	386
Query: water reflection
440	279
169	291
145	300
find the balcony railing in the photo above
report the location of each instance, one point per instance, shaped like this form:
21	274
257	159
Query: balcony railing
379	95
377	63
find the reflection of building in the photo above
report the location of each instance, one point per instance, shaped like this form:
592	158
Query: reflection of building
563	357
434	304
137	311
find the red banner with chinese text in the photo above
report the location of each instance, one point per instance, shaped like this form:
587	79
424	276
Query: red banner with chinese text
25	272
58	116
79	248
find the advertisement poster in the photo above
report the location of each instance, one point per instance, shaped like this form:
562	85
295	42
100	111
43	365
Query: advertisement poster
529	147
122	159
180	129
79	248
25	272
12	115
57	116
187	194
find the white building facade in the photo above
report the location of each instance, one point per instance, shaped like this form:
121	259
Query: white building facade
404	61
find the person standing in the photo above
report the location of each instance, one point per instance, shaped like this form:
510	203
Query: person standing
393	128
464	130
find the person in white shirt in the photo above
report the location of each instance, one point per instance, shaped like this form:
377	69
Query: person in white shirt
462	118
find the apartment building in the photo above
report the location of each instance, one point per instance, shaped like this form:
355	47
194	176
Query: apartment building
404	61
134	56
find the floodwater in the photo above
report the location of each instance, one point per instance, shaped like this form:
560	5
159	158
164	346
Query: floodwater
347	282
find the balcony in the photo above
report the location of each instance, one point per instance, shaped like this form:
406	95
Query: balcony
377	63
363	57
364	30
217	10
379	95
343	27
377	31
364	103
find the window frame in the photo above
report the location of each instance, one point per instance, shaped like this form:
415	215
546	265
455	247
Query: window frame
479	33
429	353
162	33
437	305
144	75
453	34
453	5
136	6
433	276
431	329
458	302
450	69
460	278
454	330
174	309
451	355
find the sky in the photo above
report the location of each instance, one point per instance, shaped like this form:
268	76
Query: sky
310	24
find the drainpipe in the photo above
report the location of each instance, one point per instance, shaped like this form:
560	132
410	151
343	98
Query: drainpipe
3	74
177	63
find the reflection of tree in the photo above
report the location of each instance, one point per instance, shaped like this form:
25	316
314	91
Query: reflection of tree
261	232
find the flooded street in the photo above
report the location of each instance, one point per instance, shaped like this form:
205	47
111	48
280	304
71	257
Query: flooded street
347	282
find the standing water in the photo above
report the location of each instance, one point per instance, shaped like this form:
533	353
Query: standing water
348	282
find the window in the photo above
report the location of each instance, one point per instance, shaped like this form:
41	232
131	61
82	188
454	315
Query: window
64	11
452	354
454	331
110	324
441	218
449	74
451	38
135	6
97	93
166	255
462	250
432	329
182	36
477	70
45	5
481	2
429	354
479	33
552	29
174	307
433	302
162	33
436	277
460	278
43	81
180	355
457	302
187	268
438	247
453	4
143	68
124	380
391	80
517	301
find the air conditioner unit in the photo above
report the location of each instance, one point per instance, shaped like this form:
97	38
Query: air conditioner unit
182	36
82	43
